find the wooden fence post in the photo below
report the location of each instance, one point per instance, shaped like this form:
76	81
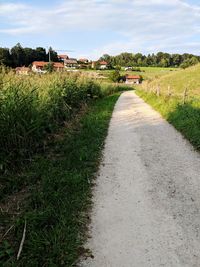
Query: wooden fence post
158	90
169	91
185	95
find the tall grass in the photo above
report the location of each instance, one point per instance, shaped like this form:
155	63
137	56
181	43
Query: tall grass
33	107
53	194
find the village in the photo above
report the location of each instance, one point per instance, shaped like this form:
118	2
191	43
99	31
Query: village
74	65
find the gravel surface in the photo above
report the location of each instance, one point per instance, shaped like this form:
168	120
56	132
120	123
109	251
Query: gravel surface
147	196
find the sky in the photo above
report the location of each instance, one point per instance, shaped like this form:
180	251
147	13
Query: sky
91	28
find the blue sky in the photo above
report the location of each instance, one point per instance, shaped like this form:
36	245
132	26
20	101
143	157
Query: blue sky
93	27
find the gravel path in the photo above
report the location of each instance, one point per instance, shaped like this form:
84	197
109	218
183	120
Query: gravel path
147	198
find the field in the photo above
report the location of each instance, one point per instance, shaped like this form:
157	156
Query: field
148	73
179	106
178	81
52	130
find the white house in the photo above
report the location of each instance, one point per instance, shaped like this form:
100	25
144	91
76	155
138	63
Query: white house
103	65
133	79
23	70
71	63
39	66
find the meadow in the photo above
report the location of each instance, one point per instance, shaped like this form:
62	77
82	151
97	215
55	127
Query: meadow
176	82
177	97
148	73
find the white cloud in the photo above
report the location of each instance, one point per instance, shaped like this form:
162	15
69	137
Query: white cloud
143	25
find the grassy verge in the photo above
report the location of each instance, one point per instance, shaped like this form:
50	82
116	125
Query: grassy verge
57	195
184	117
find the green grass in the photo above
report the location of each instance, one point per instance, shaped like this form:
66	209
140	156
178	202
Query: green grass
58	186
178	81
33	107
148	73
184	117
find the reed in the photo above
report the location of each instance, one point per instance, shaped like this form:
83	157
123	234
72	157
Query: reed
34	106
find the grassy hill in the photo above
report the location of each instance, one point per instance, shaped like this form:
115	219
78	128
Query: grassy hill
177	81
184	115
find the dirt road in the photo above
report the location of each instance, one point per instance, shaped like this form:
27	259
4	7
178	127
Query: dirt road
147	198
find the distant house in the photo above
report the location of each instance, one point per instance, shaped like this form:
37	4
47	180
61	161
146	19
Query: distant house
63	57
38	66
127	68
103	65
58	66
71	63
133	79
22	70
83	60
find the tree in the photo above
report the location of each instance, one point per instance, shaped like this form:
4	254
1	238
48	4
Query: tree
49	67
194	61
53	55
115	76
5	58
18	56
29	56
176	60
189	62
40	54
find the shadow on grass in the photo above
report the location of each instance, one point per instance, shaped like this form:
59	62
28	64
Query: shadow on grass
186	119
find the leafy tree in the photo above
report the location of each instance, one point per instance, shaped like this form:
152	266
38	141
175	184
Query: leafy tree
115	76
97	65
49	67
53	55
194	61
29	56
18	56
5	58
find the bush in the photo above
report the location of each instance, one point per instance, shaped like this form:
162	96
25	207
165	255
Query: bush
115	76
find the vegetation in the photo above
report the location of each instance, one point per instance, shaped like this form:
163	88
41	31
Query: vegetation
18	56
33	107
179	106
175	82
49	67
147	73
52	129
115	76
154	60
57	194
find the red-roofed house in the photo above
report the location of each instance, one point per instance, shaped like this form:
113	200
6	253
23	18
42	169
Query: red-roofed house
38	66
63	57
133	79
58	66
71	63
83	60
22	70
103	65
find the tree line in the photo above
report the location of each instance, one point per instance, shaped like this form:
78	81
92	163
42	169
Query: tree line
18	56
154	60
